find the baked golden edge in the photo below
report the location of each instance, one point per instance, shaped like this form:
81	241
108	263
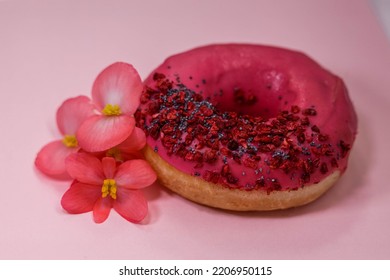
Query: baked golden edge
214	195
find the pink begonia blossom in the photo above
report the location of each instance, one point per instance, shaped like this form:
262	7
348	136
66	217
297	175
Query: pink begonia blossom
130	148
104	184
101	148
115	93
70	115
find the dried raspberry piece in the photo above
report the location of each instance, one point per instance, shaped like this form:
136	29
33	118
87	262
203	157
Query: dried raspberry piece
308	166
213	144
154	131
210	156
158	76
295	109
324	168
168	141
309	112
250	162
211	176
172	115
225	171
239	96
334	163
251	99
323	137
180	150
188	139
198	157
301	138
260	182
275	184
265	148
189	156
205	111
231	179
153	107
237	157
344	148
305	121
168	129
264	139
164	85
145	97
225	152
315	129
305	178
232	145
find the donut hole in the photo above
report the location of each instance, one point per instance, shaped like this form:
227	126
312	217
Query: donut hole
251	92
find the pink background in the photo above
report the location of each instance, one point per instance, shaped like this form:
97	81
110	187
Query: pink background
52	50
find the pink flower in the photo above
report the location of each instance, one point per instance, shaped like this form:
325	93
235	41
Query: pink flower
130	148
102	185
115	93
70	115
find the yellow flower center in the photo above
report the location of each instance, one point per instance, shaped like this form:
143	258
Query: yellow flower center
70	141
109	188
112	110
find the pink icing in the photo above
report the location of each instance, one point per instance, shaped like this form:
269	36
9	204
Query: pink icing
259	81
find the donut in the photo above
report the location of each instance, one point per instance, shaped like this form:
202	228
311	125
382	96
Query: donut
246	127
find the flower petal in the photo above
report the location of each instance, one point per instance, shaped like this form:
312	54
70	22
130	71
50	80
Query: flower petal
85	168
131	205
51	158
72	113
109	167
135	142
80	198
99	133
102	209
135	174
118	84
123	156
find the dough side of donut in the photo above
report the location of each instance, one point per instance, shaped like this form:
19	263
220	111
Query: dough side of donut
203	192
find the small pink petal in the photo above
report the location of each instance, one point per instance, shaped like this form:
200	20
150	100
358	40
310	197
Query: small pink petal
118	84
99	133
109	167
135	174
135	142
85	168
131	205
80	198
102	209
51	158
72	113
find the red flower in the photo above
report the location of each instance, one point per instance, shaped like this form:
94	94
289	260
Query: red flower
70	115
102	185
115	93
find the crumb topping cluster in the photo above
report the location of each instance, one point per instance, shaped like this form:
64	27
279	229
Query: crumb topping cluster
190	127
